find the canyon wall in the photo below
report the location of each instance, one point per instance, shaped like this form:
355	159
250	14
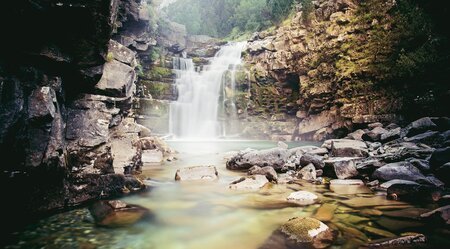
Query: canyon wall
330	67
67	89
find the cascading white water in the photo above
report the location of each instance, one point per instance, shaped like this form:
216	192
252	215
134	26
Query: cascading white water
195	114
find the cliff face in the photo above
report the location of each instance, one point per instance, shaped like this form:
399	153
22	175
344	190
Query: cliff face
331	63
65	99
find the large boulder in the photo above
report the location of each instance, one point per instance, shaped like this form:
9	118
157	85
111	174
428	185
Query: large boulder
303	198
419	126
348	148
399	170
208	173
300	233
122	53
341	167
117	80
275	158
315	160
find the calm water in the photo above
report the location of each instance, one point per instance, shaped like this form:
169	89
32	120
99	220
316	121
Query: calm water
209	215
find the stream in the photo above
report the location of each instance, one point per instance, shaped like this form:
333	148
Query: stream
192	215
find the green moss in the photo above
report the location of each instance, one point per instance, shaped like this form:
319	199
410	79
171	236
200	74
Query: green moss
158	73
297	228
109	57
156	89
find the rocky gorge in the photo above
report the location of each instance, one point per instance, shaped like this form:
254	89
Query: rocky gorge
360	121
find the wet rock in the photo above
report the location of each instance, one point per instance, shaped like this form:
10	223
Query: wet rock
370	212
315	160
341	167
249	183
152	156
348	148
419	126
409	241
399	170
275	158
441	215
387	184
374	135
303	198
267	171
307	173
208	173
414	193
117	213
410	213
300	233
378	232
391	135
348	187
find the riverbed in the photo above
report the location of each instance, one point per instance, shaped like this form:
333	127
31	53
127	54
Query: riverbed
191	215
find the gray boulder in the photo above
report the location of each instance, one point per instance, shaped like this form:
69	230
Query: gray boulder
391	135
419	126
276	158
348	148
307	159
307	173
399	170
117	80
341	167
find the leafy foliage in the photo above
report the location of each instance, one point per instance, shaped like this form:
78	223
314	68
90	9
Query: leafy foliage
221	18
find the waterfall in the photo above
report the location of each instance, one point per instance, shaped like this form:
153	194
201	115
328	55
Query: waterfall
195	114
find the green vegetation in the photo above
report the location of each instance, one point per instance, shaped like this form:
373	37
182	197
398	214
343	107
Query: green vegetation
158	73
232	18
109	57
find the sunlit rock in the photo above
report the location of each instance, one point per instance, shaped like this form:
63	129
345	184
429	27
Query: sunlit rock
249	183
208	173
303	198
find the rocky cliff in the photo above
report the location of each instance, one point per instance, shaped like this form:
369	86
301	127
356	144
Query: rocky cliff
338	66
67	133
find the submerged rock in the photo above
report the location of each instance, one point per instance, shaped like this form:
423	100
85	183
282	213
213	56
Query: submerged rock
303	198
267	171
117	213
249	183
300	233
208	173
325	212
441	214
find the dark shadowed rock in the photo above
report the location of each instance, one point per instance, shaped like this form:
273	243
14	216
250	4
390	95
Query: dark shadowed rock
399	170
374	135
414	193
387	184
208	173
443	173
421	164
41	104
394	152
267	171
431	138
419	126
300	233
441	215
439	158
